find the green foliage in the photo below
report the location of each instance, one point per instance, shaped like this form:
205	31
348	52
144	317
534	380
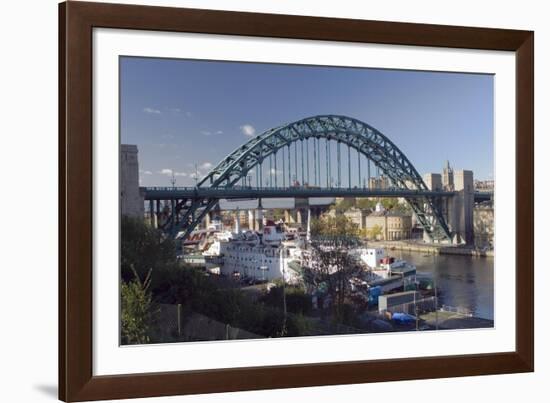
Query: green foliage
388	203
136	310
365	203
297	301
343	205
374	232
298	325
144	248
339	225
403	208
278	214
208	296
393	204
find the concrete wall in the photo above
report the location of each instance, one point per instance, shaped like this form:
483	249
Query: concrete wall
464	206
131	201
458	210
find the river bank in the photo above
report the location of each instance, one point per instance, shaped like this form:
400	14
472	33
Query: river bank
408	246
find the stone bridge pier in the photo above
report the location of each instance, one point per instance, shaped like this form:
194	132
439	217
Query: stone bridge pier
458	210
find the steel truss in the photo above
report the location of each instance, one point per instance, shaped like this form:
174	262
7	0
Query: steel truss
351	132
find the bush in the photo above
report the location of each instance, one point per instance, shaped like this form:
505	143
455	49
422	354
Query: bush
136	311
144	248
339	225
297	301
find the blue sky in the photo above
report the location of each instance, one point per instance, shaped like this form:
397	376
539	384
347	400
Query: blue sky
182	112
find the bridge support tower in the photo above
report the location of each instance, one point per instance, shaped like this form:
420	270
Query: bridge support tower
458	210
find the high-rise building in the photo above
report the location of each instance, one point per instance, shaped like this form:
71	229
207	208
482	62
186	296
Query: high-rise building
433	181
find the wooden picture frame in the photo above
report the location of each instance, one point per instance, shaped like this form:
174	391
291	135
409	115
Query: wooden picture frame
76	22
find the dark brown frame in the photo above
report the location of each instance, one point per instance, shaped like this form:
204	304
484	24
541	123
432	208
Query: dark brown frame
76	21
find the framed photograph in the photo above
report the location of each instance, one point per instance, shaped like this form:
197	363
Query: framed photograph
253	201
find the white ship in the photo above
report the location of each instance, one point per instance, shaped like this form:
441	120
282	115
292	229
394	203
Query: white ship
267	255
387	272
254	256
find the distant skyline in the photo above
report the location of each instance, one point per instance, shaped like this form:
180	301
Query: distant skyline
184	113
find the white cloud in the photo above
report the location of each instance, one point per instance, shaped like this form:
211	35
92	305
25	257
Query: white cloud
166	145
151	111
171	172
248	130
179	111
206	165
146	172
209	133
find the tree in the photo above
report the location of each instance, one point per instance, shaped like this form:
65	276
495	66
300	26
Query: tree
343	205
365	203
297	300
332	270
403	208
143	247
339	225
136	315
388	203
374	232
393	204
278	214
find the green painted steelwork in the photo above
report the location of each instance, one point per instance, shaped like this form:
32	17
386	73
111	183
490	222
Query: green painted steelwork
365	139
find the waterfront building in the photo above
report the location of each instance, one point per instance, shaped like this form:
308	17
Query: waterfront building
485	185
356	216
484	230
131	198
393	225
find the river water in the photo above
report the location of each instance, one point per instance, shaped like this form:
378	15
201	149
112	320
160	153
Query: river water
463	281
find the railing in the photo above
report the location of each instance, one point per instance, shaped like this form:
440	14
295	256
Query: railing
312	188
292	191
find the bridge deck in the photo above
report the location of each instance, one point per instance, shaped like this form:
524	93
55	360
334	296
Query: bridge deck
168	193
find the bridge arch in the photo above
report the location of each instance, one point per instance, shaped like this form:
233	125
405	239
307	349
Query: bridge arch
365	139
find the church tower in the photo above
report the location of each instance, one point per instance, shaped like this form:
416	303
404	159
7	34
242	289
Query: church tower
448	177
